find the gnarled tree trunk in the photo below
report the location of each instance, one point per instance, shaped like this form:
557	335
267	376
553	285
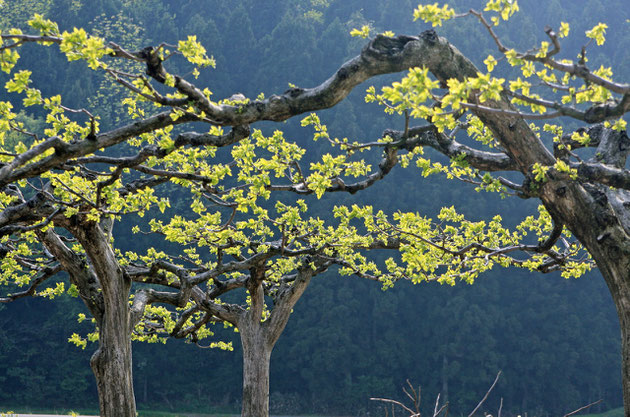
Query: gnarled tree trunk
111	363
605	234
256	358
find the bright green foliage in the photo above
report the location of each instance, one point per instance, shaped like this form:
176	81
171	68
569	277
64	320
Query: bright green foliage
78	340
598	33
364	32
195	53
540	172
45	26
433	14
490	62
505	8
77	45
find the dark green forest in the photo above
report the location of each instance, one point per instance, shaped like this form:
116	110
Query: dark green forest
556	341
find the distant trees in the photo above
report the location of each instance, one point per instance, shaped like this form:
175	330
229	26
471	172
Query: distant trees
236	223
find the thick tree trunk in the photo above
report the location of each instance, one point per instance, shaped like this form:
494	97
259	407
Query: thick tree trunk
258	338
623	310
615	268
256	357
111	363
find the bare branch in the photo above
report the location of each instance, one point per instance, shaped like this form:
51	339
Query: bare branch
582	408
398	403
485	397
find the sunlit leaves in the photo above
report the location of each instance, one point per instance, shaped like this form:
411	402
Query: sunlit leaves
540	172
52	292
564	30
195	53
478	131
364	32
20	81
8	59
543	49
433	14
598	33
513	58
78	45
505	8
157	322
563	167
619	124
45	26
582	138
78	341
490	62
412	91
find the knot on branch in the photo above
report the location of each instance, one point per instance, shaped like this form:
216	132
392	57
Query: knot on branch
241	132
429	36
154	64
386	47
390	159
394	134
294	92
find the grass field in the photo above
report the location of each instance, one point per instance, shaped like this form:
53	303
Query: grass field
617	412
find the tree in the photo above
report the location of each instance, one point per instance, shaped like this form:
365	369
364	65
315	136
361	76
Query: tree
450	249
59	190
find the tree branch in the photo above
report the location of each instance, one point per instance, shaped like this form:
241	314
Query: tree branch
46	273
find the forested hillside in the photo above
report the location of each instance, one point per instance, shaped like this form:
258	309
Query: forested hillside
555	340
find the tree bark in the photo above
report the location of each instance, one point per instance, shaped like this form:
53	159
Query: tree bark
611	250
112	362
258	338
111	365
256	358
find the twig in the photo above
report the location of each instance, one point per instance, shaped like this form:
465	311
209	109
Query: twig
582	408
398	403
485	397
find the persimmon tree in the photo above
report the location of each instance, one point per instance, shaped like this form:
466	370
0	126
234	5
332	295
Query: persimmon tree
65	187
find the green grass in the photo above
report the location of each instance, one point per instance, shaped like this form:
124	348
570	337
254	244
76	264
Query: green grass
615	412
168	414
59	411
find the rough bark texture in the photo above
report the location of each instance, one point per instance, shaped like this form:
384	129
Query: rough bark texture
258	338
111	363
256	357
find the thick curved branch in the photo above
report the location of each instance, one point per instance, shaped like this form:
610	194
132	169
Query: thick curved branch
81	275
383	55
603	174
34	209
142	298
287	297
227	312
